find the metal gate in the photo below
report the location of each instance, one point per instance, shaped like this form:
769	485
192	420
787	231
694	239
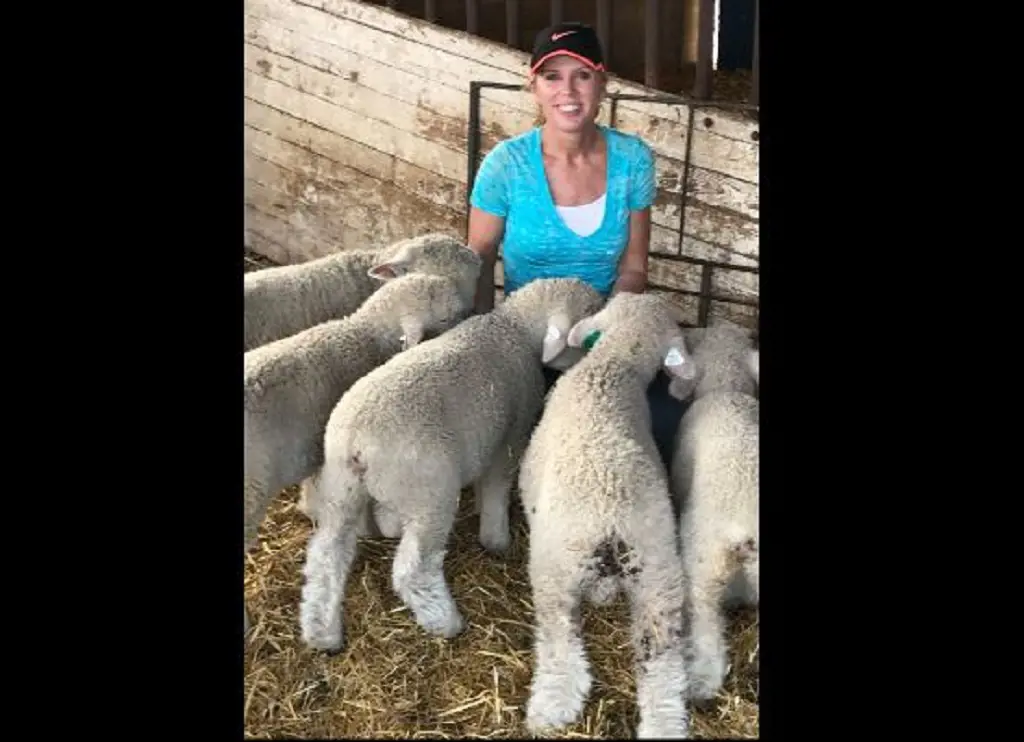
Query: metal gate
707	266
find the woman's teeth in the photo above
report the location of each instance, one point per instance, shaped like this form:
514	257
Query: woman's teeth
569	108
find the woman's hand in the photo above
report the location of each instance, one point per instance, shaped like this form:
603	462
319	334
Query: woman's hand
633	265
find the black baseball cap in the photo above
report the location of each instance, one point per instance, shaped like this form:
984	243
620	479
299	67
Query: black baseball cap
576	40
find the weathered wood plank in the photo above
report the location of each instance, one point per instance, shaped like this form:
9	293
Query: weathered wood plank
499	119
454	58
338	148
300	243
303	217
685	276
267	247
376	134
349	193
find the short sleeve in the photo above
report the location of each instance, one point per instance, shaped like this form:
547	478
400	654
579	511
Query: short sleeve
490	187
643	185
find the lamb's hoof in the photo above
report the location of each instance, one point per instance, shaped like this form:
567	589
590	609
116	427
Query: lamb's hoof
323	643
447	627
705	681
322	638
654	730
554	703
544	716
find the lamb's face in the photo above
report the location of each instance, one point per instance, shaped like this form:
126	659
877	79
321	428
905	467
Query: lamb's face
437	254
645	326
726	357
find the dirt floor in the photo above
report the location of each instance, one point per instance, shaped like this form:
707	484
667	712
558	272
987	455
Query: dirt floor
393	681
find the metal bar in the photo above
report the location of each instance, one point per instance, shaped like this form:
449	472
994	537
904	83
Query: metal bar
614	110
557	11
651	43
704	307
512	23
686	177
705	48
604	29
430	10
754	81
473	16
472	141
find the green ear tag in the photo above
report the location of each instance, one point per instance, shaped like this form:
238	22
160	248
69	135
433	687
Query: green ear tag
590	339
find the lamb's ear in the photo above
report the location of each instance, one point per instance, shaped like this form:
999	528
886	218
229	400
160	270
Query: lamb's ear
678	362
554	341
754	364
580	330
412	332
389	270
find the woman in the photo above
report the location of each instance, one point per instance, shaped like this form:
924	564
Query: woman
570	198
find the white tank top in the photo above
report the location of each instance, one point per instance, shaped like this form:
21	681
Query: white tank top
586	219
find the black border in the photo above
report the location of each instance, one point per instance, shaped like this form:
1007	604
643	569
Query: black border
151	351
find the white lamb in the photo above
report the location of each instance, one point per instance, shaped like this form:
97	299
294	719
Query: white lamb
413	433
714	476
292	384
596	497
284	300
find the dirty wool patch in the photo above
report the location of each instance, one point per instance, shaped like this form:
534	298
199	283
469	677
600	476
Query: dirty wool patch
394	681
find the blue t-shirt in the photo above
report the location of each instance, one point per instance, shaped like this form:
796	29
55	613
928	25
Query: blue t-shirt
537	244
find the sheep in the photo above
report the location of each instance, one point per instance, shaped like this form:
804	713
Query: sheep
292	384
410	435
714	478
595	495
284	300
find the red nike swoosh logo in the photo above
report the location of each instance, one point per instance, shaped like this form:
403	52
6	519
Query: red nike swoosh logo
557	36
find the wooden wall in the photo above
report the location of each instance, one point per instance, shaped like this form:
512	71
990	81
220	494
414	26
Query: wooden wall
355	135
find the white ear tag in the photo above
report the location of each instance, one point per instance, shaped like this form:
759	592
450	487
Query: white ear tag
553	334
674	358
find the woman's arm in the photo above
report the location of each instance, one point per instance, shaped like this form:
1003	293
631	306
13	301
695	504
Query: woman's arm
633	265
643	188
485	233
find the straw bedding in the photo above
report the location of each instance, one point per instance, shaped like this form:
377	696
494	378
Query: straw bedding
393	681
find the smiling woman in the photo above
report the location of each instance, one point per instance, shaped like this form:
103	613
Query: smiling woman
570	198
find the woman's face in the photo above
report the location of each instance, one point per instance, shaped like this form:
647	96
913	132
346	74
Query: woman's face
568	92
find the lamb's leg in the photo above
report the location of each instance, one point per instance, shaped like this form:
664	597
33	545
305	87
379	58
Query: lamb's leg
492	495
418	571
561	672
655	584
332	547
707	655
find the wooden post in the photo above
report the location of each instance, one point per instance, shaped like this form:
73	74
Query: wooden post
557	11
705	48
604	29
651	43
512	23
473	16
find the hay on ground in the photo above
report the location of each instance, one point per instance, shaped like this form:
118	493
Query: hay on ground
394	681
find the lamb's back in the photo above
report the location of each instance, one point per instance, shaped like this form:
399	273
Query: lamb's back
715	469
284	300
592	451
455	385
